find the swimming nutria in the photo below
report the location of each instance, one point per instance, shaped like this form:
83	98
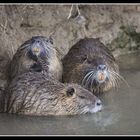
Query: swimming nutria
26	58
40	94
91	64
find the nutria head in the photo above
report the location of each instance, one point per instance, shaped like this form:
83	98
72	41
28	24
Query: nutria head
77	100
38	94
90	64
39	46
27	55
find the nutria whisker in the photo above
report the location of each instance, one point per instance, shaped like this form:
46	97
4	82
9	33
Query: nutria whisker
119	77
116	78
93	77
27	49
89	79
87	76
24	46
114	81
117	81
85	110
92	80
47	48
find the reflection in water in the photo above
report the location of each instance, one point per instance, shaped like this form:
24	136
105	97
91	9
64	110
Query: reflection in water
120	114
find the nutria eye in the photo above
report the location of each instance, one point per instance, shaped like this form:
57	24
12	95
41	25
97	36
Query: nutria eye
70	91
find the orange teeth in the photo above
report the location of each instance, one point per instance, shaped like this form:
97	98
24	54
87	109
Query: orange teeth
101	77
36	49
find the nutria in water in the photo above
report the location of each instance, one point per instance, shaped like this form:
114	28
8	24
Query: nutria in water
91	64
40	94
26	58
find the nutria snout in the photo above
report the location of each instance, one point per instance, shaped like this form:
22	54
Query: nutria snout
40	47
91	64
26	58
36	93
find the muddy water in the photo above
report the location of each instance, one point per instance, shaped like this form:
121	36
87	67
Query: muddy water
121	114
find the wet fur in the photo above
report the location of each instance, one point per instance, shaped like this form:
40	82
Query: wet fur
24	60
84	57
40	94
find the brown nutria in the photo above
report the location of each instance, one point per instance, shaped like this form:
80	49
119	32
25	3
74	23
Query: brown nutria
91	64
26	58
40	94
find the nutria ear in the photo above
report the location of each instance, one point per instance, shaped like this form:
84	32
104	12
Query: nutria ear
70	91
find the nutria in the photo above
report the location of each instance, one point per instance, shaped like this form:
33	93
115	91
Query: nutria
40	94
26	58
91	64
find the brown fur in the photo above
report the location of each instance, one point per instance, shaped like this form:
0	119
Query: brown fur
84	56
24	60
34	93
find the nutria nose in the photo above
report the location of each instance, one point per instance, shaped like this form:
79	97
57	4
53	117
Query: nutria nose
101	67
98	103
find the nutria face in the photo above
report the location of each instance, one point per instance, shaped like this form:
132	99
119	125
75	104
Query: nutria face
39	47
78	100
37	50
28	55
97	72
90	64
38	94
